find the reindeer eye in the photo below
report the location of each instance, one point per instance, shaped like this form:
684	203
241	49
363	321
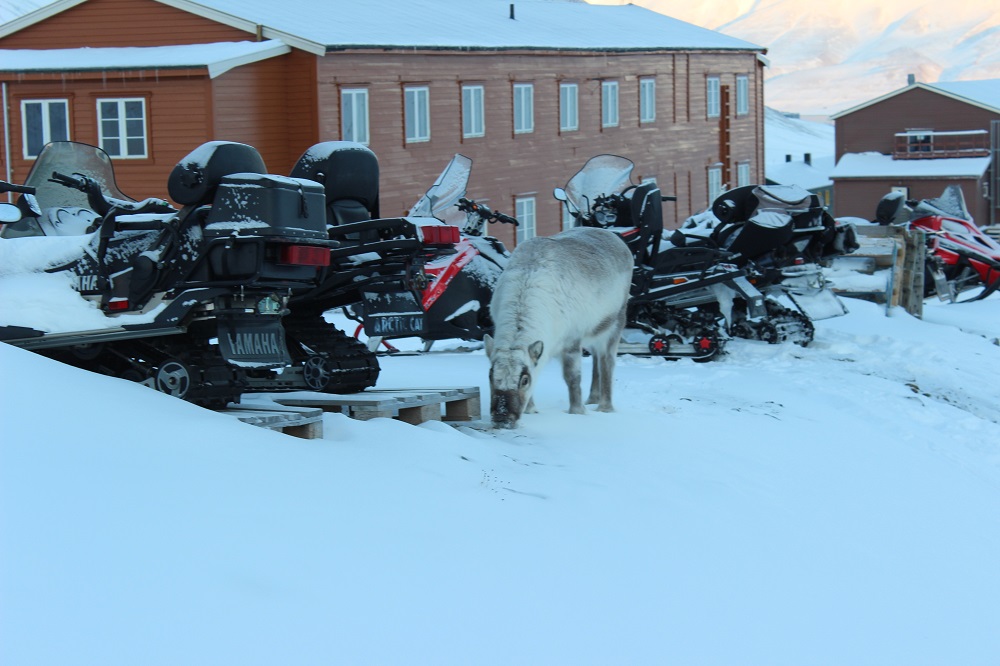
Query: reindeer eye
525	380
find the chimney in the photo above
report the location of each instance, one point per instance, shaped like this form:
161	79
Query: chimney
808	158
788	158
512	11
910	78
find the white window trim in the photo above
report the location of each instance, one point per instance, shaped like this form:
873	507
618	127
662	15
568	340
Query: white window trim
355	102
569	107
609	104
647	100
742	95
46	104
526	93
525	212
715	187
743	174
421	105
713	97
123	124
473	109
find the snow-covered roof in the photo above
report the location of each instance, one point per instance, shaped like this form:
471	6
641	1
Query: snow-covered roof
321	25
218	58
810	176
877	165
983	93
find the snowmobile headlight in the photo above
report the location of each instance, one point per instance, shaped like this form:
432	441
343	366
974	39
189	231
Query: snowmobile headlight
269	305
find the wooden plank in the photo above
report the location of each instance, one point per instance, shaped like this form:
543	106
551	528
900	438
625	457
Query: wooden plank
419	405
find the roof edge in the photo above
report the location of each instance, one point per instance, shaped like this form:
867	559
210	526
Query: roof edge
37	16
930	87
219	68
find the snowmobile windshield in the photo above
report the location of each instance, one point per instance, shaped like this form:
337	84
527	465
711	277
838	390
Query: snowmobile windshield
951	203
71	158
440	199
603	174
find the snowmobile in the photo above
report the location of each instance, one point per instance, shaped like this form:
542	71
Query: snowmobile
959	255
192	301
694	289
459	263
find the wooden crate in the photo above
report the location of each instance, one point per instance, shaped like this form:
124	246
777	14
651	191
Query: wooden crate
415	406
304	422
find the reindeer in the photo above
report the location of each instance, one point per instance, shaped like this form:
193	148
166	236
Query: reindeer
557	296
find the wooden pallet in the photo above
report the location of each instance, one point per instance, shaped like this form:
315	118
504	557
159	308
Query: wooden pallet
303	422
415	406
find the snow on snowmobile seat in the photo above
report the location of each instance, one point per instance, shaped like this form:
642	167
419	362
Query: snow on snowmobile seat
349	173
195	178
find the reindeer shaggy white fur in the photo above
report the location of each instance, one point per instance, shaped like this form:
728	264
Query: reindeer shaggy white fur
557	296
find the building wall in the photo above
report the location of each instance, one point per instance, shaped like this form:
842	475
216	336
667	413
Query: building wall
177	106
859	197
873	128
98	23
677	149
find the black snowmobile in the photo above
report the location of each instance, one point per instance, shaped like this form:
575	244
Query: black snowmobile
691	291
192	299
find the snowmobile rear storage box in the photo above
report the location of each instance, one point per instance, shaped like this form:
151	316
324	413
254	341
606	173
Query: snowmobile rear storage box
253	204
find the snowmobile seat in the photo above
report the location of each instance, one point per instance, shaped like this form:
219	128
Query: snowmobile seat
194	180
349	174
646	213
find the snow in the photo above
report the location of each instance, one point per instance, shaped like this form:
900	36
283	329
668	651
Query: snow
877	165
218	58
836	504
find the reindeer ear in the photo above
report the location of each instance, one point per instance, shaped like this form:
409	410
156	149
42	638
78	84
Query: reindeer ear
535	351
488	342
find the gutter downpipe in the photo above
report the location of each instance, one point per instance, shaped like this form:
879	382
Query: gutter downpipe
6	137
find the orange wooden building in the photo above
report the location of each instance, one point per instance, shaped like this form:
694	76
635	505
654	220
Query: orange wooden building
529	90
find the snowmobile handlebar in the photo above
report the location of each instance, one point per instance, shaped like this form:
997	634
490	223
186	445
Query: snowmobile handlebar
11	187
484	212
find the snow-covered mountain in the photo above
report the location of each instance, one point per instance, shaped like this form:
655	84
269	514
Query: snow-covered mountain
828	56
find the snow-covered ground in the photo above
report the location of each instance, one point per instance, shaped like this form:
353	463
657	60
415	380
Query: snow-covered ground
836	504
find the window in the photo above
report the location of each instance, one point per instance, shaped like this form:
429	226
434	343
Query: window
919	141
647	100
714	183
714	105
742	95
354	115
524	209
609	104
568	221
418	114
43	120
569	107
473	112
742	174
121	127
524	108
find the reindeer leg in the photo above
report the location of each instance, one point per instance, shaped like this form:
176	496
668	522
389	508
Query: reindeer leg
571	373
606	361
595	381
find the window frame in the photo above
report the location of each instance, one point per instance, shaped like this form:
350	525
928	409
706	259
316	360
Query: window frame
123	132
743	174
742	95
713	97
714	174
610	104
527	227
419	118
647	100
359	99
524	108
569	107
45	105
473	110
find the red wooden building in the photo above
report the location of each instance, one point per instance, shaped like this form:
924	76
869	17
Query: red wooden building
918	140
529	90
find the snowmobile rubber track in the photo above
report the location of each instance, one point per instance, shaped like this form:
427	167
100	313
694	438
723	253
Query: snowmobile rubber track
326	358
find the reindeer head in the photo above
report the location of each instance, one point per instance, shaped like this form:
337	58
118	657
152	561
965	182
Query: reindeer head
512	376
